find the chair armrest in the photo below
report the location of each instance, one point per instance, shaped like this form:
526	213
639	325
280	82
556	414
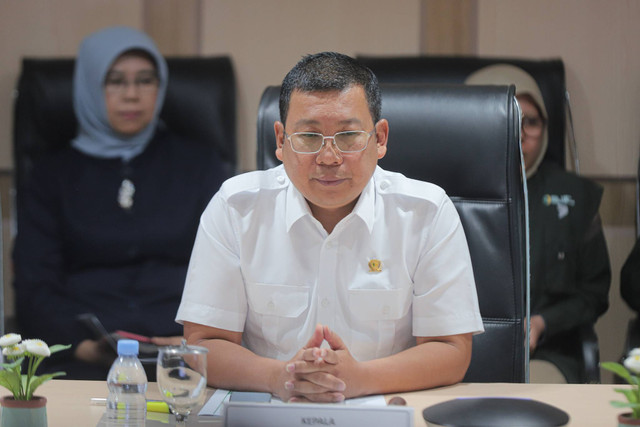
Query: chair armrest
590	354
632	339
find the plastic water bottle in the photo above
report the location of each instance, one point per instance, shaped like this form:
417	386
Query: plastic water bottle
127	382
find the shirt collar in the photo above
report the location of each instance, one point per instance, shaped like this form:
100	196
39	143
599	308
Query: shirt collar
365	208
297	206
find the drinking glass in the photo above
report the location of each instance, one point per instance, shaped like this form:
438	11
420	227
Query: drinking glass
182	378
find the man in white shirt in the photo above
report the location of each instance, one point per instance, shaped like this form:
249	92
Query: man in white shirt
327	277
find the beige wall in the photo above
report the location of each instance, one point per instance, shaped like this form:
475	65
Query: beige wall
598	42
266	38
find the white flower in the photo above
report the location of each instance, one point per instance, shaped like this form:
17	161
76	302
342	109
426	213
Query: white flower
13	350
10	339
632	362
37	347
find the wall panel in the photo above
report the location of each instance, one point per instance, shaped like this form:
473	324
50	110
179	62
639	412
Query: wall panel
265	39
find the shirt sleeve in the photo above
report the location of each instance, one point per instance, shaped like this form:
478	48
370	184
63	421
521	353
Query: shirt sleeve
445	300
214	293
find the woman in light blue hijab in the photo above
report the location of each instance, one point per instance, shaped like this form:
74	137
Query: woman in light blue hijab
108	223
97	53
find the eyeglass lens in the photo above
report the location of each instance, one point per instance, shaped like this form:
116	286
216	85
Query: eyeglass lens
532	125
311	142
145	81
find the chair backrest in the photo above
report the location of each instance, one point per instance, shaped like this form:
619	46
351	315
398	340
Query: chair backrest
548	73
466	140
1	272
200	104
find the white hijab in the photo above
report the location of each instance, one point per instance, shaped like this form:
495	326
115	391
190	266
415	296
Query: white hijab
96	55
505	74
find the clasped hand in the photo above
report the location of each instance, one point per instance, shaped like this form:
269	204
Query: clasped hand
317	374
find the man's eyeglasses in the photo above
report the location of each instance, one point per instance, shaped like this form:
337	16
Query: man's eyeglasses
350	141
119	85
532	126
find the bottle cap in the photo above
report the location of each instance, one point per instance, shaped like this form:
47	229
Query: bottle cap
128	347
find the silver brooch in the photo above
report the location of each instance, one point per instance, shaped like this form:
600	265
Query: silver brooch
125	194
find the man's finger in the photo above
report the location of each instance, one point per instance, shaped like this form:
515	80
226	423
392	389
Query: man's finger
334	340
315	383
314	354
318	398
325	380
316	339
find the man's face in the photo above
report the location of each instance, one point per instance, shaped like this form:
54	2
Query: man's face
330	180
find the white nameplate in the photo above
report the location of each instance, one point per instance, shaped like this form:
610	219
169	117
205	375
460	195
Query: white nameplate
249	414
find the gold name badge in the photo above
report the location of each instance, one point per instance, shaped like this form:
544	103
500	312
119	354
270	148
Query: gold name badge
375	266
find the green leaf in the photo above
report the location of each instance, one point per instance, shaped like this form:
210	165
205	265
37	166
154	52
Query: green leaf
630	394
58	347
37	381
10	381
618	404
13	364
617	369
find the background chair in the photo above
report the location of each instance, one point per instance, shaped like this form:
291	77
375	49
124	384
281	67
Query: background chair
550	76
200	104
632	337
1	275
466	140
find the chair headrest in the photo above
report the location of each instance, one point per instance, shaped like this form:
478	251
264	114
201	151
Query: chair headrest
548	73
442	126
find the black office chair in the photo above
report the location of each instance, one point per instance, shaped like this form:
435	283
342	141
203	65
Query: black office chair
549	74
1	272
550	77
466	140
200	104
632	337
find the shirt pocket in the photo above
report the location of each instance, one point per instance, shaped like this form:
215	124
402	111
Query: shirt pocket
277	300
379	313
379	304
276	307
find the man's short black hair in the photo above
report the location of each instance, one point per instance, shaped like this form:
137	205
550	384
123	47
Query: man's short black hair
329	71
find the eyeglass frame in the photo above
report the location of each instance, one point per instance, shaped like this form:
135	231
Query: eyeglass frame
324	138
542	121
138	83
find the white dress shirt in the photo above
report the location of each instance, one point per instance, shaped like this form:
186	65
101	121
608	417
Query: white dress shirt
395	268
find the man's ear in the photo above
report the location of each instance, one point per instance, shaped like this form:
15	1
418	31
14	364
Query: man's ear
278	128
382	136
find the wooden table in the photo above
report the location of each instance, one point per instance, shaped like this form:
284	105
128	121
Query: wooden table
69	402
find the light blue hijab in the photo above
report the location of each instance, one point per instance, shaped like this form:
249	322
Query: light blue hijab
96	55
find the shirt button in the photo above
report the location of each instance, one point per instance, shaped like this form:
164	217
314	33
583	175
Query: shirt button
384	184
325	302
271	306
280	179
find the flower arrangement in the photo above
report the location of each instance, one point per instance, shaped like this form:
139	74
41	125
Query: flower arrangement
14	351
629	372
